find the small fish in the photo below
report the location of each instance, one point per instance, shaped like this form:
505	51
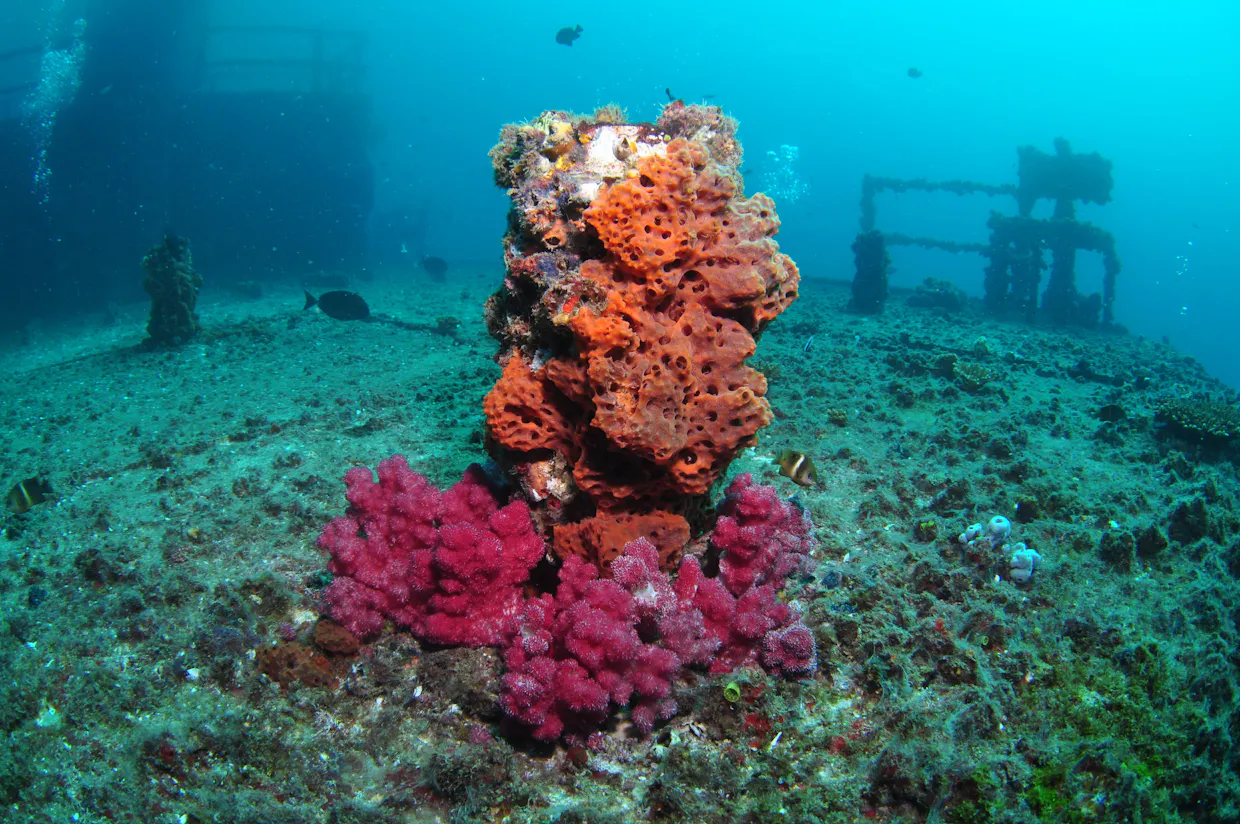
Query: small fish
28	493
436	267
914	72
339	305
798	467
567	35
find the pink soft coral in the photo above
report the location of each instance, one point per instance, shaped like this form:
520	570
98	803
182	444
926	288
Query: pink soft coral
623	642
715	628
451	567
447	566
571	657
763	538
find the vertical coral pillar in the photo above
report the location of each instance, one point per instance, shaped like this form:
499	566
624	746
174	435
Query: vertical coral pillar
638	275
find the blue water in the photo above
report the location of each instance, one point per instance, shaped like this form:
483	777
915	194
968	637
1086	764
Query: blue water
1151	86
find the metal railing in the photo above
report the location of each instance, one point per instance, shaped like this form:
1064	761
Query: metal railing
293	59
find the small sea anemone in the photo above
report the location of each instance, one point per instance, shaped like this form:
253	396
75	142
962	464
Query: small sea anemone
611	114
971	377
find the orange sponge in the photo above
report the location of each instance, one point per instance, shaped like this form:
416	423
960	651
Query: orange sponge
600	539
626	333
522	414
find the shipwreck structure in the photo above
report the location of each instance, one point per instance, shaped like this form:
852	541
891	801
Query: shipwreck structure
1018	243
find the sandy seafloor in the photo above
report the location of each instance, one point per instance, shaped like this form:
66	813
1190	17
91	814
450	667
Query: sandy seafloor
139	606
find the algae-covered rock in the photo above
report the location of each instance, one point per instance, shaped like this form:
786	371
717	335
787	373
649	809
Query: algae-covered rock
173	284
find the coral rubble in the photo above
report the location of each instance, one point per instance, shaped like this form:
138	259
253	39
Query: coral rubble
638	276
165	654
